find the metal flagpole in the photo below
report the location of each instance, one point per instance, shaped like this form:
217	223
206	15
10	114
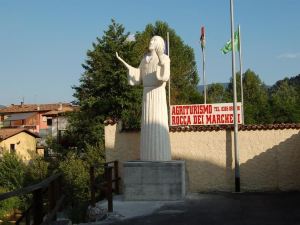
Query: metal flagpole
204	81
235	116
241	75
203	60
169	82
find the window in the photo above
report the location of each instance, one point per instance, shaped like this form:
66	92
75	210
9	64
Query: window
49	121
12	148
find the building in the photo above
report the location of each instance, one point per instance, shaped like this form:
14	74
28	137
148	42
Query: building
19	141
43	119
1	122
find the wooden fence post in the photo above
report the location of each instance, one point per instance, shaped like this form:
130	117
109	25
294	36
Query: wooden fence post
109	188
27	222
51	196
116	173
37	207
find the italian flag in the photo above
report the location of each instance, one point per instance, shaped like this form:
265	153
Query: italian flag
202	38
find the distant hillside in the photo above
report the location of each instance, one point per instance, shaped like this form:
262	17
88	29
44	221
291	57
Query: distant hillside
2	106
200	88
293	81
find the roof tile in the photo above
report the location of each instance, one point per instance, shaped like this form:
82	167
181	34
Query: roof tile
9	132
222	127
34	107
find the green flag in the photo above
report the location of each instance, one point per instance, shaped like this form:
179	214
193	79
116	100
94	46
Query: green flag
228	47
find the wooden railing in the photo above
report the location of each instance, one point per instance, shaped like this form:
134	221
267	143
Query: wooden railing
51	187
111	177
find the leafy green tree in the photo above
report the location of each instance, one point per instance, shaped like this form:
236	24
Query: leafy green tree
12	171
229	93
295	82
256	101
76	176
94	154
257	108
184	77
285	102
36	170
216	93
82	130
103	91
76	185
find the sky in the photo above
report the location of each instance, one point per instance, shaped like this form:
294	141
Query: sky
44	43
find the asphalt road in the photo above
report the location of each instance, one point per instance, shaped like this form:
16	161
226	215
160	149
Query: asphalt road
226	209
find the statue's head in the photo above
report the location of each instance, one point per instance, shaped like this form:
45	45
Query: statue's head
157	43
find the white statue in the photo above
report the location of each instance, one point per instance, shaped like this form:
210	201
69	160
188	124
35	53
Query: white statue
153	72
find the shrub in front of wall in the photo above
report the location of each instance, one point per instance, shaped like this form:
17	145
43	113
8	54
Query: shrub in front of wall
12	171
8	206
76	177
36	171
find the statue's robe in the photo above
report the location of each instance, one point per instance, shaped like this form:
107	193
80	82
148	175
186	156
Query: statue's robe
155	140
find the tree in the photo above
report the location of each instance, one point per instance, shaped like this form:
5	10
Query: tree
184	77
103	91
256	104
36	170
285	102
76	179
216	93
229	92
12	171
257	108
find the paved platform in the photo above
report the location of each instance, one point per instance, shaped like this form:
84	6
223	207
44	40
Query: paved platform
211	209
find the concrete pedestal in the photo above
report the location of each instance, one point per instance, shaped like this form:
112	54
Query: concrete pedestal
145	180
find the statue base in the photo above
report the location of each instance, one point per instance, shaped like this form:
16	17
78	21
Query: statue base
151	180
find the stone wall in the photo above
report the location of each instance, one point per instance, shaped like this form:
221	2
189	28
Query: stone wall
269	159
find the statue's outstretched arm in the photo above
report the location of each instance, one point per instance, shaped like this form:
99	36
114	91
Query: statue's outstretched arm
121	60
134	74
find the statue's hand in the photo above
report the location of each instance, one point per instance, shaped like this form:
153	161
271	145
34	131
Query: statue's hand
118	57
159	52
121	60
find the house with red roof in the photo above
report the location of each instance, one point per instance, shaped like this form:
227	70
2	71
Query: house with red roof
43	119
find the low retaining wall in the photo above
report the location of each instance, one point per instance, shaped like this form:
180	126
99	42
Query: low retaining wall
269	158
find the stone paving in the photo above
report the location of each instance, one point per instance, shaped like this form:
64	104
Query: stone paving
211	209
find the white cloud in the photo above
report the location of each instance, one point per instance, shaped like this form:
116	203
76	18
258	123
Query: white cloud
130	38
289	55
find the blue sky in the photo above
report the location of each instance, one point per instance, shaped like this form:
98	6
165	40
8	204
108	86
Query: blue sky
44	43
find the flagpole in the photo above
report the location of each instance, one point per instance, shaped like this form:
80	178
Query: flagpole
202	40
241	75
235	116
169	83
204	81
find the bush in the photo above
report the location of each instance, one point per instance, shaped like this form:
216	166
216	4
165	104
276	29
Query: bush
76	177
8	206
94	154
12	171
36	171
